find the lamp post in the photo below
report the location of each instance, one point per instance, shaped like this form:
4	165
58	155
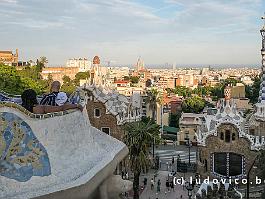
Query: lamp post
189	144
154	148
248	176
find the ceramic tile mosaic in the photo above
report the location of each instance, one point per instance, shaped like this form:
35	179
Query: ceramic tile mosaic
21	154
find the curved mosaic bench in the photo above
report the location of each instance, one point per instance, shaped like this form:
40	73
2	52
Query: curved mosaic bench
57	155
22	155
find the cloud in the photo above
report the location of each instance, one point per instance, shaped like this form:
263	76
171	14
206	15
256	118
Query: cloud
8	1
158	29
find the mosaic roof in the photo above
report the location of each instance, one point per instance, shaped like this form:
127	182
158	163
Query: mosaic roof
124	108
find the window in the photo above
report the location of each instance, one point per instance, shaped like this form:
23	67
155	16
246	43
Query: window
106	130
96	112
227	136
233	136
222	136
227	164
252	131
205	165
186	135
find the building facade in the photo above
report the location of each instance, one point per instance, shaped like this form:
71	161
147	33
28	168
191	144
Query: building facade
82	63
57	73
109	110
8	58
228	142
226	149
189	124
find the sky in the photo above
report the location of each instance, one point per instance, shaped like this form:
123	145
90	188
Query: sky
184	32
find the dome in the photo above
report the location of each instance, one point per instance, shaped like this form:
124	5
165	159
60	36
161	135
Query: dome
96	60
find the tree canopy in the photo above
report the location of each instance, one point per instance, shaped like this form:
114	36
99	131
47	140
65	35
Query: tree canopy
15	82
193	105
252	91
134	79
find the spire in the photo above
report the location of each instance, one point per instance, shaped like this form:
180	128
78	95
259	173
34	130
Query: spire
262	85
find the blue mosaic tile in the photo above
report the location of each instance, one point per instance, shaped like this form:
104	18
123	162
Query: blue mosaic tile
21	154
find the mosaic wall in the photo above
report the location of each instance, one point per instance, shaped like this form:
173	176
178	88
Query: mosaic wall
21	154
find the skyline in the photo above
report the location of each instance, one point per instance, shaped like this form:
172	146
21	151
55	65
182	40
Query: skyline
185	32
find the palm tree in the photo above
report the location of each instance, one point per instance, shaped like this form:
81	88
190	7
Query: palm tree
153	98
41	63
43	60
138	138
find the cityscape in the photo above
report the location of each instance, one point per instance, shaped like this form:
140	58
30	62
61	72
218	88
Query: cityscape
132	99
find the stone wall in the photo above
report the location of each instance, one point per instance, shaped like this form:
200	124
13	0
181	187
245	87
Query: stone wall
104	120
218	144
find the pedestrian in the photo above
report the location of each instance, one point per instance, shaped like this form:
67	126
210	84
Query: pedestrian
122	174
173	160
152	184
170	166
158	186
167	185
172	186
145	182
127	175
167	166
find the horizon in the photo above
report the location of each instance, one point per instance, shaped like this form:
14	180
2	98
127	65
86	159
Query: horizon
162	31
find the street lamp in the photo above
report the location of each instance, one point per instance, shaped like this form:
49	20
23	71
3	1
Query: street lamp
248	176
154	147
189	144
189	187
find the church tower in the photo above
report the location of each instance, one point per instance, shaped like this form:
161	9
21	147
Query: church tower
95	73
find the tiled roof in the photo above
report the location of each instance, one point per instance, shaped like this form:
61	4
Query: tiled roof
123	108
5	52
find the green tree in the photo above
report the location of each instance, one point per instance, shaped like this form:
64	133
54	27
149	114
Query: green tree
193	105
41	63
153	99
43	60
10	81
79	76
126	78
139	136
217	91
174	119
252	91
15	82
30	72
28	83
68	85
182	91
231	81
134	79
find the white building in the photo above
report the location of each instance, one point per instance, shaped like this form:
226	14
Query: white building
82	63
